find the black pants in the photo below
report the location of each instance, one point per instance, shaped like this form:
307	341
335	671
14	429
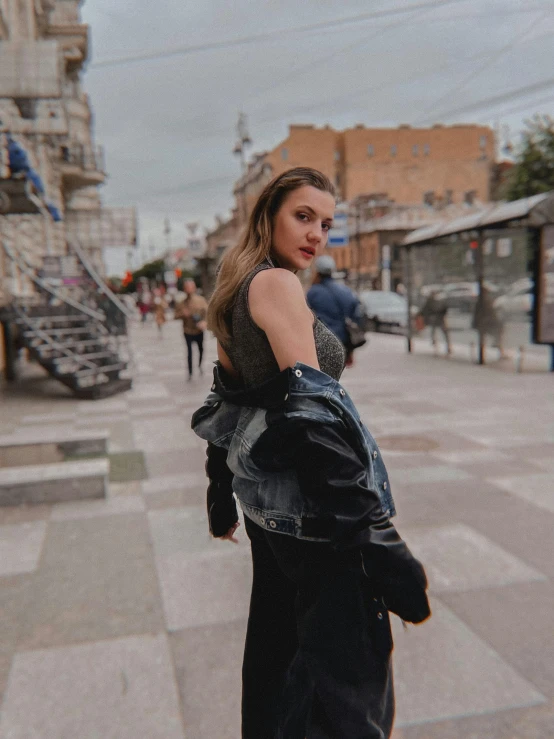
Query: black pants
317	659
197	339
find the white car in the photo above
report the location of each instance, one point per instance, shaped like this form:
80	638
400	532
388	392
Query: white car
385	309
517	301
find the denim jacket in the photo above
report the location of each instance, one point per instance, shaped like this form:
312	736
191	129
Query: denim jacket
302	463
264	428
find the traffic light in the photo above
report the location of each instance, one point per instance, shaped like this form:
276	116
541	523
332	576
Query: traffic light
127	279
178	272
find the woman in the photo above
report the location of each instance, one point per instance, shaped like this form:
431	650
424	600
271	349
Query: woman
284	435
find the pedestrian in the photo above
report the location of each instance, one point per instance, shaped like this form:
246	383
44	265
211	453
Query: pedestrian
144	305
433	313
487	321
160	307
334	304
192	311
328	564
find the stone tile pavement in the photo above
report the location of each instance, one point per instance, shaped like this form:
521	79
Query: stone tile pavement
123	619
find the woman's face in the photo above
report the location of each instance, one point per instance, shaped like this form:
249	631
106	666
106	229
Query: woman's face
301	226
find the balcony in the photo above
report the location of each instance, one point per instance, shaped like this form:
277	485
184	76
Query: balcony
73	39
14	197
81	166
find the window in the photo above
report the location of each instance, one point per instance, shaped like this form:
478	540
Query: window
337	156
449	197
393	150
429	197
370	150
426	149
415	150
284	154
27	107
482	142
337	180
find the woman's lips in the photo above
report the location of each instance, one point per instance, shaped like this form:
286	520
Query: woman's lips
307	252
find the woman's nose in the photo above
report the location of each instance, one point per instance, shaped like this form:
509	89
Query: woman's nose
315	234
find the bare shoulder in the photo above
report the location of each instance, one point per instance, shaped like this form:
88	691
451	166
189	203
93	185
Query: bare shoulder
278	306
276	300
271	285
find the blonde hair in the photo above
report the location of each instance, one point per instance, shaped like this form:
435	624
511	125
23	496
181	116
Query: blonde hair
255	246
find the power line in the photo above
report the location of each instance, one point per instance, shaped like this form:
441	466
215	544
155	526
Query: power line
345	21
327	57
497	99
377	88
518	108
185	187
351	46
518	38
255	38
270	116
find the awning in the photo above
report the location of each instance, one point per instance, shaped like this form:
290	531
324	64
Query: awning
539	209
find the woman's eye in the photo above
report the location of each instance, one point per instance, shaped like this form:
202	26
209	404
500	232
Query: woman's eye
302	216
326	226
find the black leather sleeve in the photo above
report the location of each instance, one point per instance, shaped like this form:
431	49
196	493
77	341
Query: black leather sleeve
222	509
332	478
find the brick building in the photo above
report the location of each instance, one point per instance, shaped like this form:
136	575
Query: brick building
445	164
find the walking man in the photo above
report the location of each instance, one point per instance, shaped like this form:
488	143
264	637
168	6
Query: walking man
192	311
334	304
433	313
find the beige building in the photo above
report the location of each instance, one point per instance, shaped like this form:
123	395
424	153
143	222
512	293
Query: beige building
447	164
413	172
45	112
43	46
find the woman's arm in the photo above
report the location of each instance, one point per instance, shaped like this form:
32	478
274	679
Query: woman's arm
278	306
222	509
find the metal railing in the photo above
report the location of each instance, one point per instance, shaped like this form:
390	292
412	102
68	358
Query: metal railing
93	273
87	157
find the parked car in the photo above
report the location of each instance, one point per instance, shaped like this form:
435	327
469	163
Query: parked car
517	301
385	310
462	296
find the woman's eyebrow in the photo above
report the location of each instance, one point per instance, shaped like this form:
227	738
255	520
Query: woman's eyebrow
312	211
306	207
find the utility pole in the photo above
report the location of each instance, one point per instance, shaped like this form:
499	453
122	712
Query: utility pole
167	233
243	140
357	213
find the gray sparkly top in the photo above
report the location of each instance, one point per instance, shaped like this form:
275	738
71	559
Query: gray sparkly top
250	351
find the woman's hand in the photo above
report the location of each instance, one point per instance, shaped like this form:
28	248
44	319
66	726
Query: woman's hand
229	536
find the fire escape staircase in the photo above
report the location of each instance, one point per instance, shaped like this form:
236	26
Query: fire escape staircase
81	342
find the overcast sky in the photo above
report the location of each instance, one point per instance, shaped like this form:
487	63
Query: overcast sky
168	124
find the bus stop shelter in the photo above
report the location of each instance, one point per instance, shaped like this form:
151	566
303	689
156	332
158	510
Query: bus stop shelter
486	280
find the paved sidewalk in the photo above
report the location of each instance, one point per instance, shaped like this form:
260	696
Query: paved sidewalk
121	619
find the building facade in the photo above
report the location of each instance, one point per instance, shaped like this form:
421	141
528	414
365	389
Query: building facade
43	108
51	215
377	224
410	175
440	164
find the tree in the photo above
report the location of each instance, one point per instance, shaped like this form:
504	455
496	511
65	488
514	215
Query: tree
533	172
